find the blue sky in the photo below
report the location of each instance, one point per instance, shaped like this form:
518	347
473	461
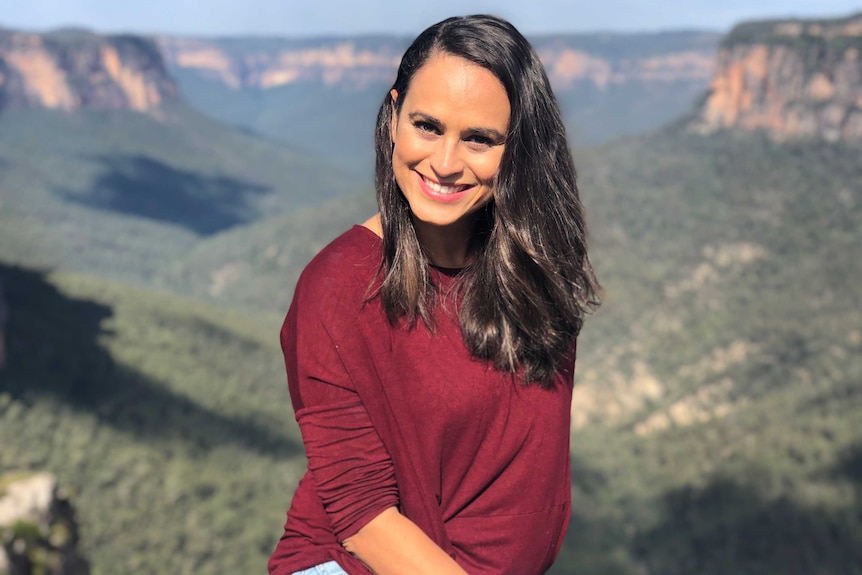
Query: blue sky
309	17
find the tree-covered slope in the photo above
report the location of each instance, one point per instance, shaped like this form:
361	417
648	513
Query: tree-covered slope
720	386
256	266
167	422
123	193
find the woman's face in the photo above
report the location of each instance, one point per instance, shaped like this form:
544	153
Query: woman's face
449	138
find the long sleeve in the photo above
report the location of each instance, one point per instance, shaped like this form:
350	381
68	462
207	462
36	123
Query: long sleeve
352	470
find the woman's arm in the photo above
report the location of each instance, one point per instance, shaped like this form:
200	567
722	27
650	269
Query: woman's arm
391	544
351	468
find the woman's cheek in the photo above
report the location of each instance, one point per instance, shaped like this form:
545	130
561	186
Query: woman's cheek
487	169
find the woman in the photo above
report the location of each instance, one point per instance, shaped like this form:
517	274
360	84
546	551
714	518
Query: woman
430	351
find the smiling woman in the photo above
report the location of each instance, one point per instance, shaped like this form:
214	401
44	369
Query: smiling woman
430	352
448	138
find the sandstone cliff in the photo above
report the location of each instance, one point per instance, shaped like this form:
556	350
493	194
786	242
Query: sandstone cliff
73	69
354	63
269	63
790	79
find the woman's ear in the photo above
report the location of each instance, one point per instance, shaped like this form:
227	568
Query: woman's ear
394	122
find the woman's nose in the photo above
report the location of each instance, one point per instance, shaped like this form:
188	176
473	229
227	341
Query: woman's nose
446	159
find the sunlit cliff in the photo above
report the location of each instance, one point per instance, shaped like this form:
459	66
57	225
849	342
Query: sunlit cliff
71	69
789	79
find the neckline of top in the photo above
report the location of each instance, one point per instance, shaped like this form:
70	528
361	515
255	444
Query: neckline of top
371	232
449	272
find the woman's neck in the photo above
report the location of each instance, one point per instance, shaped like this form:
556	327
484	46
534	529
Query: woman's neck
446	246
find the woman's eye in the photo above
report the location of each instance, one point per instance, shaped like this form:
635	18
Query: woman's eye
480	141
426	127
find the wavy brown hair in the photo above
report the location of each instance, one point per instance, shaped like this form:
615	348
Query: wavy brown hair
529	282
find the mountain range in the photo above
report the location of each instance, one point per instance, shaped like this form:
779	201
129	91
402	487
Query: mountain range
323	94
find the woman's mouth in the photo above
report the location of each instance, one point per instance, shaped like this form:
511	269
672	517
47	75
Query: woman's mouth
439	191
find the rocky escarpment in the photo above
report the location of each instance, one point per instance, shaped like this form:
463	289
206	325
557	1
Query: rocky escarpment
270	63
73	69
790	79
38	528
599	60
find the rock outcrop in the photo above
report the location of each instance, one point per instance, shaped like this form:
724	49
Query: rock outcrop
790	79
72	69
38	528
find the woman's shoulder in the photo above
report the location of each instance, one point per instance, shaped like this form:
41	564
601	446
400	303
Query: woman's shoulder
349	261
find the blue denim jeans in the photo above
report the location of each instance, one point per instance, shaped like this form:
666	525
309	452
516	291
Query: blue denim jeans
328	568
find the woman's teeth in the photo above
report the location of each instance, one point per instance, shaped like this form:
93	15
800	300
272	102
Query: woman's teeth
441	189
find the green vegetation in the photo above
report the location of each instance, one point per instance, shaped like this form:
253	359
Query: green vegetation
168	421
722	381
122	193
255	267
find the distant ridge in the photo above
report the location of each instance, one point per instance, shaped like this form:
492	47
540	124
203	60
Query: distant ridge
353	62
322	94
789	79
73	69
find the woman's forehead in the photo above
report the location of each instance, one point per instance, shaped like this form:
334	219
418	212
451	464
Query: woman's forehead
448	84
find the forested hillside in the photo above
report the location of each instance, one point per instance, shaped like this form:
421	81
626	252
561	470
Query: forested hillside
120	193
720	384
166	421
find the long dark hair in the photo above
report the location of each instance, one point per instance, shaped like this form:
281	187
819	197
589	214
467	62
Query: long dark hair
530	283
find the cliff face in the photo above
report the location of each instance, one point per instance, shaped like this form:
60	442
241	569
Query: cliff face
790	79
357	63
569	66
70	70
272	63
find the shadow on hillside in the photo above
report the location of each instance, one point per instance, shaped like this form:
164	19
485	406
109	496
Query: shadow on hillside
839	397
53	350
850	466
595	543
728	527
141	186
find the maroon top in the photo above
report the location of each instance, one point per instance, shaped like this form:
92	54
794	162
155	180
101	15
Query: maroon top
393	416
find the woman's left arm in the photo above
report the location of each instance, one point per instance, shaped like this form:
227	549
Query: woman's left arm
391	544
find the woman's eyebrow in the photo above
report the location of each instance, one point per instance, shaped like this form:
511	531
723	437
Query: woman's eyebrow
490	133
425	117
